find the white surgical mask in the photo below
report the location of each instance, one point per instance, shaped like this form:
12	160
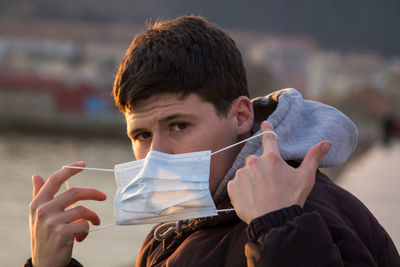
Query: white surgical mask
164	187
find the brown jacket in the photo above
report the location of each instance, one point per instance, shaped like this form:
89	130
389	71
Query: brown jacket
333	229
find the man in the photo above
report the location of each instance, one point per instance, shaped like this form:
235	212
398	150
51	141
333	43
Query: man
182	88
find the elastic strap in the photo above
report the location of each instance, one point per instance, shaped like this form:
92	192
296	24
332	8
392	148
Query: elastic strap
87	168
94	229
213	153
245	140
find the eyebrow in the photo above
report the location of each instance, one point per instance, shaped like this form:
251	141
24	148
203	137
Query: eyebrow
167	119
175	117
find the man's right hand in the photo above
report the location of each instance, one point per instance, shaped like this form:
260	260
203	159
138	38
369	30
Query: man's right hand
53	227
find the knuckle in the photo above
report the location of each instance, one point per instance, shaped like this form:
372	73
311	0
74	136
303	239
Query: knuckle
80	209
41	211
60	229
51	223
32	207
84	225
239	173
251	160
74	191
53	178
271	157
270	135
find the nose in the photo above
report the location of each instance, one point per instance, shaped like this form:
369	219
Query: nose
161	144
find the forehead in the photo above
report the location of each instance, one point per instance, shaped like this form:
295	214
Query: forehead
161	101
161	106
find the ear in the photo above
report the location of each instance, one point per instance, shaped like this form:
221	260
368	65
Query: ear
242	112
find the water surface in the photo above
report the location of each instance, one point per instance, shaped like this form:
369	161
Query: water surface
24	155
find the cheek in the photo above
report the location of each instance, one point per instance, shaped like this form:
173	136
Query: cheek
138	153
220	165
222	162
218	168
213	183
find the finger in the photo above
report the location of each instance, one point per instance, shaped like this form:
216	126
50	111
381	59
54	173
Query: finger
76	194
53	184
37	182
315	155
79	228
79	213
250	160
80	237
269	140
231	189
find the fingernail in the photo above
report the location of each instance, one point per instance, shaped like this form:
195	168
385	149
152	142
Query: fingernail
79	163
265	124
326	147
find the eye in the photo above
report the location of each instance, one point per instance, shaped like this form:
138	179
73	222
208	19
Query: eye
177	127
142	136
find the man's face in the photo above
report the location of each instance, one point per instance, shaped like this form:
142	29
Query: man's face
170	124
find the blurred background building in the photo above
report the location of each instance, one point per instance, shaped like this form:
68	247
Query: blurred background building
63	57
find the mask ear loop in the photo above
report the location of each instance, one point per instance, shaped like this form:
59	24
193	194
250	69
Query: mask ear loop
95	228
98	228
238	143
213	153
243	141
87	168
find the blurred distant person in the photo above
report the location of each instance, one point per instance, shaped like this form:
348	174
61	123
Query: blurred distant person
388	127
183	90
397	128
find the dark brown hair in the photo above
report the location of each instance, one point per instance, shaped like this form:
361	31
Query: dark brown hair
185	55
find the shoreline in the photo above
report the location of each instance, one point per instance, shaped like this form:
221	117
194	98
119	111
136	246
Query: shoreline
76	125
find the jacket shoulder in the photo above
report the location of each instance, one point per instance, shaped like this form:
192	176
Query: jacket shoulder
346	216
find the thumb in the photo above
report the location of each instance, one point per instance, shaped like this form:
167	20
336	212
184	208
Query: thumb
315	155
37	182
80	237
